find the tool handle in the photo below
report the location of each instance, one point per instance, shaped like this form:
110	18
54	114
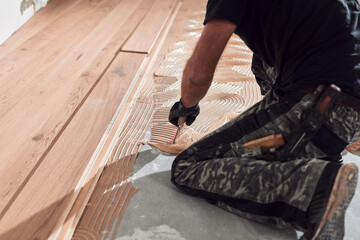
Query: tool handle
181	123
327	99
312	123
271	141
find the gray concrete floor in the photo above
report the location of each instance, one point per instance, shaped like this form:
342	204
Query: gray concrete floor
159	211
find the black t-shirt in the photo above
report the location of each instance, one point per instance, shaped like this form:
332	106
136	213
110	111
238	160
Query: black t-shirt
307	42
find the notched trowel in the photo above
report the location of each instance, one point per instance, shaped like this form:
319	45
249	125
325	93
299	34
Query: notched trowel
173	147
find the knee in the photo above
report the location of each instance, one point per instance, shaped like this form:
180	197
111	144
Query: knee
179	166
175	169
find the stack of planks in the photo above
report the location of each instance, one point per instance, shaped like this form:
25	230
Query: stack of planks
65	78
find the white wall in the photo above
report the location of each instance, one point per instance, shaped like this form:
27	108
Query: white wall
14	13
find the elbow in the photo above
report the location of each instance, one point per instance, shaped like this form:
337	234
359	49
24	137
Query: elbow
200	81
198	75
199	78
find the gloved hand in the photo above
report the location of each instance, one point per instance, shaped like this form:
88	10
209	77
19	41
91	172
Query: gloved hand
179	110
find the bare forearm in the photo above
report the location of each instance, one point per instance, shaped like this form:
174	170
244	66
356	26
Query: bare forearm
193	91
200	68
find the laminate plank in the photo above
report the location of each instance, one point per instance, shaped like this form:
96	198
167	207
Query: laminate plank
35	123
143	39
38	210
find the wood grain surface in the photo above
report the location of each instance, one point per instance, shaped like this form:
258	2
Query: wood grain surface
148	31
40	100
44	52
37	113
105	207
114	191
67	229
34	216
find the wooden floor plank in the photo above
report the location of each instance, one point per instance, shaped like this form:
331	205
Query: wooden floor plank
74	215
120	132
148	31
33	124
34	216
20	70
32	61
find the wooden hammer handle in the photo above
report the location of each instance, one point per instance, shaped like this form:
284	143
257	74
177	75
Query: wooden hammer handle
272	141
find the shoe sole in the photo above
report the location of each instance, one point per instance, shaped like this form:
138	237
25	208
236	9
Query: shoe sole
331	226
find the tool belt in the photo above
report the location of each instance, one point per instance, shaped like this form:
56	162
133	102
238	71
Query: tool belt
343	99
288	147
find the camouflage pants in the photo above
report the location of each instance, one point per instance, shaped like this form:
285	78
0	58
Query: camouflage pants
265	190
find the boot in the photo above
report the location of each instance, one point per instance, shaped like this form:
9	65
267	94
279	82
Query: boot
331	224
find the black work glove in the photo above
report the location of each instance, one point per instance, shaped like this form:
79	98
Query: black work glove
179	110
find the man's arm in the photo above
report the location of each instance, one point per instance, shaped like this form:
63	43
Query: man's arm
200	68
